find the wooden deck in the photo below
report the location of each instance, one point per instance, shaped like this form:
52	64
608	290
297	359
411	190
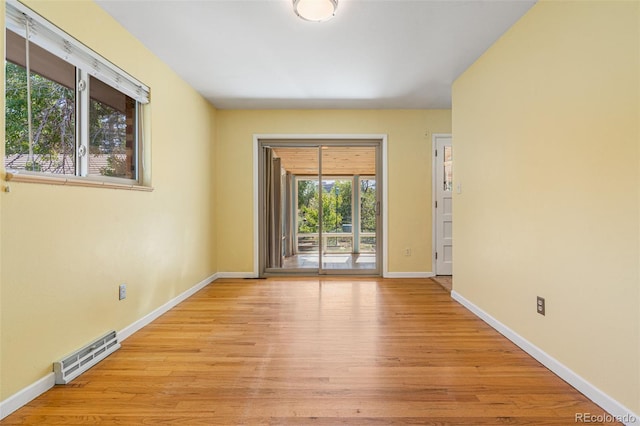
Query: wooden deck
314	351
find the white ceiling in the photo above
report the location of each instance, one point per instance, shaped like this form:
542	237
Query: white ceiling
256	54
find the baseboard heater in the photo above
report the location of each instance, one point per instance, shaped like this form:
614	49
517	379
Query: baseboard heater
83	359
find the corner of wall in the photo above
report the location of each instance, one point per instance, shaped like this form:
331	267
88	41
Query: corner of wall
213	116
638	139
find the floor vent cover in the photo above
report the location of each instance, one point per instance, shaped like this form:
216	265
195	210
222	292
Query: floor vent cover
81	360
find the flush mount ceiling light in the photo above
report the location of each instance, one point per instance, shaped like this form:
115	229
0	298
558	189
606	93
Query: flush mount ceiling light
315	10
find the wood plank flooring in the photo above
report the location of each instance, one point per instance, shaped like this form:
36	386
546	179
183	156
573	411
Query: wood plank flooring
446	281
317	351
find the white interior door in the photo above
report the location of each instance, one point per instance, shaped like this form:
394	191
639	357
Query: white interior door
443	178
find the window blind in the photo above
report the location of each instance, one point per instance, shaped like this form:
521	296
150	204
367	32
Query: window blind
49	37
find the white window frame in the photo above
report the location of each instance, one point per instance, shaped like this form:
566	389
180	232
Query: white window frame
29	25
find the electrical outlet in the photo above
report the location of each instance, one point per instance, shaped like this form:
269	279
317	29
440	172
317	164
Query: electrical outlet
122	292
407	252
540	305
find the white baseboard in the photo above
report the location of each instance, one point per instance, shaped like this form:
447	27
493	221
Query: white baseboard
34	390
26	395
409	275
151	316
617	411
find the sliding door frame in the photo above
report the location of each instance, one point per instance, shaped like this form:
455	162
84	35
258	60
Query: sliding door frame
316	140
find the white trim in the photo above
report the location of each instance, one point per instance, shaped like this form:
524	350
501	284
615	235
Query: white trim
409	275
256	208
434	196
385	180
606	402
83	100
26	395
385	207
151	316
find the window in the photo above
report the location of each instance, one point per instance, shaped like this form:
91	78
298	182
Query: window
68	110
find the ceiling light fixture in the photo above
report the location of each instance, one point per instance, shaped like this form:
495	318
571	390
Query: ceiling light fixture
315	10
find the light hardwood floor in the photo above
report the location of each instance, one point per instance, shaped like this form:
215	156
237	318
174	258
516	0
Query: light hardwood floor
314	351
446	281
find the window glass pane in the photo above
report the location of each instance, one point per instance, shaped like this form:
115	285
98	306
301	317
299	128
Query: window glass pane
338	244
368	244
307	206
336	217
368	205
307	217
448	169
112	134
53	112
367	215
336	206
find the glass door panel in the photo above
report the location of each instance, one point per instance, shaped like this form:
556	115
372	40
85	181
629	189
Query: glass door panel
337	227
320	208
307	222
291	209
367	238
342	212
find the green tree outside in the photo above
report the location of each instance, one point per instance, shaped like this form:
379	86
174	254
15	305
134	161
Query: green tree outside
308	210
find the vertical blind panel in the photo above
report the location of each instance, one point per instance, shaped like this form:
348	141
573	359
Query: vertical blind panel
48	36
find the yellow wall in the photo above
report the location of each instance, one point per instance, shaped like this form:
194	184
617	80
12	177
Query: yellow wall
546	141
409	153
65	250
2	188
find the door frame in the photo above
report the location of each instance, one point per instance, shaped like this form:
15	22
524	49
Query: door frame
434	195
311	137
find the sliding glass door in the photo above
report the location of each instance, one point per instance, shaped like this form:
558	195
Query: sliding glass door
320	207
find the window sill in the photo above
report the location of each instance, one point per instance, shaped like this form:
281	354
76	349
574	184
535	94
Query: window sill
73	181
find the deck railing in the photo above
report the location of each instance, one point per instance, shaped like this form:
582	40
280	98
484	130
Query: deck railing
336	242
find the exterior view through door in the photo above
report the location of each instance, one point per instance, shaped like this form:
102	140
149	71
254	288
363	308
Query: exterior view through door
320	207
443	206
